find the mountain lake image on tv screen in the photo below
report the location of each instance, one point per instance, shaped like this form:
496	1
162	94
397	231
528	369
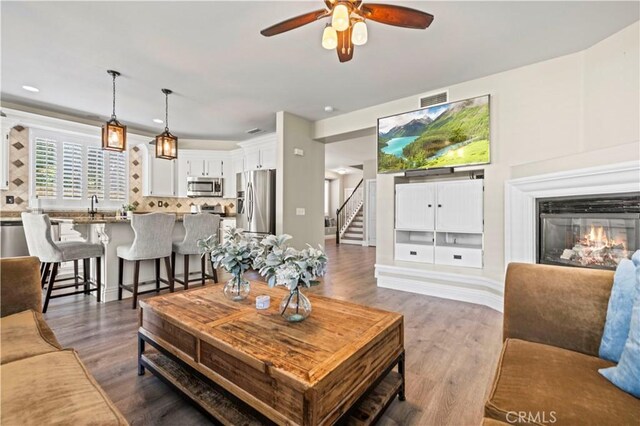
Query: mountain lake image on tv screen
448	135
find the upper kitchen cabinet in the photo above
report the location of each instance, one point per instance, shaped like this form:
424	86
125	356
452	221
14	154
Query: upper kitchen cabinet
158	175
260	153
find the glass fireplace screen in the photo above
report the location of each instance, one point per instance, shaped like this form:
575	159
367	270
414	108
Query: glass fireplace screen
588	240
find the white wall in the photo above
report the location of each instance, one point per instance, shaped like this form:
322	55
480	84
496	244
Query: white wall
300	181
561	114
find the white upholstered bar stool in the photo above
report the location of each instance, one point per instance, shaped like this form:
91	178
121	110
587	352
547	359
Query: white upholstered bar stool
152	241
197	227
37	230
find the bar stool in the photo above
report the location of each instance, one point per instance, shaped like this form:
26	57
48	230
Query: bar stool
37	230
152	241
197	227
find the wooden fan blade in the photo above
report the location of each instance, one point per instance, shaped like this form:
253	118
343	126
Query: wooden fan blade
398	16
345	47
296	22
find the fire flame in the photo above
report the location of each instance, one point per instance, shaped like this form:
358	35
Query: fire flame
597	237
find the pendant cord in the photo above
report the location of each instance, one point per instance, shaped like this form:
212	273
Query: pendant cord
113	113
166	112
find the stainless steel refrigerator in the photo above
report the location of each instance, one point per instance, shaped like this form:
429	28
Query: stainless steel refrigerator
256	201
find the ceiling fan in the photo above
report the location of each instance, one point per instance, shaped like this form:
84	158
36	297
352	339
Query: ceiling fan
347	28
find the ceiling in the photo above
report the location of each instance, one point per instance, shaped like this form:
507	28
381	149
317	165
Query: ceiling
227	78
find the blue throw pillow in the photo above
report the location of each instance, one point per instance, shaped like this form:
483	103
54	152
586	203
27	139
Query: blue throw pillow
636	258
626	375
616	327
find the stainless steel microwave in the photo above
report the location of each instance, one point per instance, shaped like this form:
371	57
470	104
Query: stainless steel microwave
198	186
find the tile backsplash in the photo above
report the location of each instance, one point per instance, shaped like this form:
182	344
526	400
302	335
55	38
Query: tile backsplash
19	182
18	171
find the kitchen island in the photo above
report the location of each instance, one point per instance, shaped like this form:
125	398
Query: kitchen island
112	232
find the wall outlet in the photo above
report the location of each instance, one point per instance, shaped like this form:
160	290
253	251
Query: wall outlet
9	199
300	212
299	152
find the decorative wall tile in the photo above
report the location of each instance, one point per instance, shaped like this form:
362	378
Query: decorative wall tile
18	175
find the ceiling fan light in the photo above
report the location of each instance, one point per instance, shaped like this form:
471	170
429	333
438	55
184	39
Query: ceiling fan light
340	17
329	38
359	34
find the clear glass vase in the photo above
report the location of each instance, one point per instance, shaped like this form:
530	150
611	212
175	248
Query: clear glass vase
237	288
295	306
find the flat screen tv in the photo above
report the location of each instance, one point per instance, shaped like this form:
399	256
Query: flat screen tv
447	135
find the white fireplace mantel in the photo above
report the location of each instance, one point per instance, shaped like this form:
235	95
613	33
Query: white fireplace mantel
521	195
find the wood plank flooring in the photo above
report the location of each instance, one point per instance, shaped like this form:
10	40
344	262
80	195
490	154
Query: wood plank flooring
452	349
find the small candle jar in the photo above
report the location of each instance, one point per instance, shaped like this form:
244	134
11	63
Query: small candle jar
263	302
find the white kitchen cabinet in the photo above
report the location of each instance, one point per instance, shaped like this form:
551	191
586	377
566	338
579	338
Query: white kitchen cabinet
158	175
183	172
460	206
260	153
228	180
252	159
415	206
268	158
238	162
213	167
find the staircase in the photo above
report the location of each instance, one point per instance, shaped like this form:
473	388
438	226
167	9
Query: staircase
354	233
350	218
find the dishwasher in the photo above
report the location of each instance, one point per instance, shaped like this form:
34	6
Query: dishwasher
12	240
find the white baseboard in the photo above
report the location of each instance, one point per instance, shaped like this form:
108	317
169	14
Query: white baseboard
465	288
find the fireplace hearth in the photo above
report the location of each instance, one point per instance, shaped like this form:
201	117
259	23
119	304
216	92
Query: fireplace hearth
588	232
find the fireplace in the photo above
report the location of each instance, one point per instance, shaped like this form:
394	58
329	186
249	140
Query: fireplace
588	232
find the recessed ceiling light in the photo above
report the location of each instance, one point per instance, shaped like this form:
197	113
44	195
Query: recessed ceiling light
31	89
329	108
342	171
157	120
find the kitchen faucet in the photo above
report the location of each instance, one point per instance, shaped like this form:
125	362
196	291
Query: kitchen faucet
92	210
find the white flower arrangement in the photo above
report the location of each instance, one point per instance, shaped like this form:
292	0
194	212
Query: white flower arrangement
234	255
283	265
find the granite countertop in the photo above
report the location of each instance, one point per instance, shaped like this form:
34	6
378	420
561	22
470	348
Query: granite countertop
86	220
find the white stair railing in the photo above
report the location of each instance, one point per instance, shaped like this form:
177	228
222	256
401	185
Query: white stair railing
348	211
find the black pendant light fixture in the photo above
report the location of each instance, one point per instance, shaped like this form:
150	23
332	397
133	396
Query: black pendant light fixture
114	134
166	143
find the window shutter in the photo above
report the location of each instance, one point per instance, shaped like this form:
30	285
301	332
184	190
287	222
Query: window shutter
117	176
72	171
95	172
46	168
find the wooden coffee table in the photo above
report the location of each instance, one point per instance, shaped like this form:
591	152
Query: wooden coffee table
242	365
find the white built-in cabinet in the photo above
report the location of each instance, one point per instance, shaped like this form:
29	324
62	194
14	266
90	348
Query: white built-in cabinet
158	175
440	222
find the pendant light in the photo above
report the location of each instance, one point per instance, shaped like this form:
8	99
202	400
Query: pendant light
114	134
166	143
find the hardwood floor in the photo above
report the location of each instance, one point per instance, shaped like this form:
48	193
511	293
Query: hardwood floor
452	349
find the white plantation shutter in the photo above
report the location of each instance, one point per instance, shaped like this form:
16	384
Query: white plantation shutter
72	163
95	172
117	176
46	168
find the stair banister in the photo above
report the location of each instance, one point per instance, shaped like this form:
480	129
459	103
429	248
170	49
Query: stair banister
348	210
